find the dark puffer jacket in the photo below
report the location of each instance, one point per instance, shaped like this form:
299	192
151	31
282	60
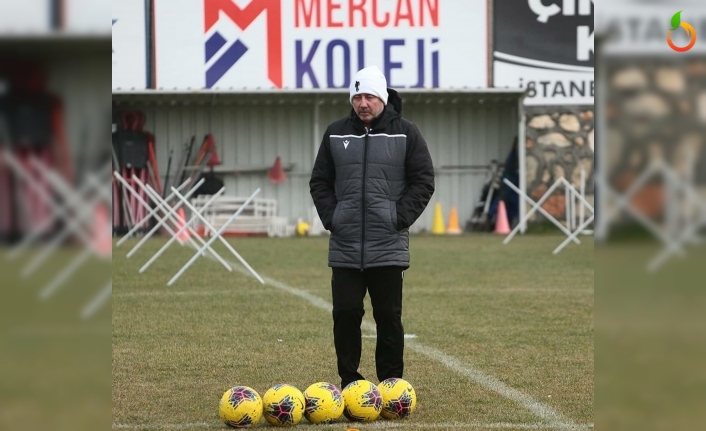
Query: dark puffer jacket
369	186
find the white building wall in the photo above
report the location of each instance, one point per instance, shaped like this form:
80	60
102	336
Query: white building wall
464	132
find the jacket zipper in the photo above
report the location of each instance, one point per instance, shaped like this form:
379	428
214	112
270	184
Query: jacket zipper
362	233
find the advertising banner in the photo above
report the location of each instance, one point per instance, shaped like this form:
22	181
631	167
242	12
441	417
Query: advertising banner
319	44
547	47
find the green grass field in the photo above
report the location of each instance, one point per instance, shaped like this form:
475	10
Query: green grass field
54	365
504	334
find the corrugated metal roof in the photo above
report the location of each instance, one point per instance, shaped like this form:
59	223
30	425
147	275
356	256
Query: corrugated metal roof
307	98
306	91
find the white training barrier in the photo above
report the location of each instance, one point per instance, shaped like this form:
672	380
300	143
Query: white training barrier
572	228
214	237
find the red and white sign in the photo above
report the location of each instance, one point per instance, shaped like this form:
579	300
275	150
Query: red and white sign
317	44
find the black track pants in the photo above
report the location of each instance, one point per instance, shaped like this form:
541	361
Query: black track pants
348	287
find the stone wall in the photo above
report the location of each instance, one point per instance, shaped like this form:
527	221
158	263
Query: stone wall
655	110
559	144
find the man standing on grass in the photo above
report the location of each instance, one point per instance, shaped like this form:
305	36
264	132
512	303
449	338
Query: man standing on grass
372	179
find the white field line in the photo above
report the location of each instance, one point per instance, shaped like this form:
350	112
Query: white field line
174	293
555	419
539	409
377	425
406	336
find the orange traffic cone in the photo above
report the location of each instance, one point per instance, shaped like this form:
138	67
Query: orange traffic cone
181	221
101	237
502	226
214	160
453	228
276	172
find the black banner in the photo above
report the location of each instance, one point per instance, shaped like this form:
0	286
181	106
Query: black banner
553	31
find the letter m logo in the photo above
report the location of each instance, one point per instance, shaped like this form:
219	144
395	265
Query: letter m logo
243	18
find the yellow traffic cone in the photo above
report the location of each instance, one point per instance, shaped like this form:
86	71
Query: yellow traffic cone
437	226
453	229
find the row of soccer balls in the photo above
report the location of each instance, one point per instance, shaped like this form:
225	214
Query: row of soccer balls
321	403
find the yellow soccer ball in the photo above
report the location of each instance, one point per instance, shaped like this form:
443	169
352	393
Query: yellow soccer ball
362	400
240	407
303	228
283	405
398	398
324	403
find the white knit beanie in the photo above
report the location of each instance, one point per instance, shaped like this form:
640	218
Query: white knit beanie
370	81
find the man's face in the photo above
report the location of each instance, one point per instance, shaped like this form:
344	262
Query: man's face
367	106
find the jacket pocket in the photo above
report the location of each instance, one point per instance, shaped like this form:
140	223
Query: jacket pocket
335	217
393	215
